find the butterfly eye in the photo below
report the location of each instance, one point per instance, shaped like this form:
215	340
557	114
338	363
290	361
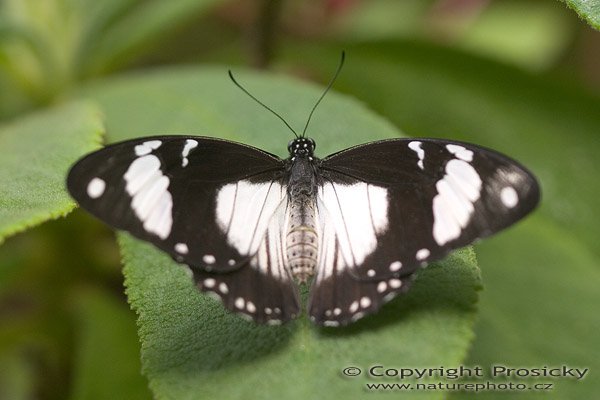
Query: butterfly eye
290	146
313	144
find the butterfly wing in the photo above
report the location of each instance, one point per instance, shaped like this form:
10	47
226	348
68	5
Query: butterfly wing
337	297
263	290
206	202
395	205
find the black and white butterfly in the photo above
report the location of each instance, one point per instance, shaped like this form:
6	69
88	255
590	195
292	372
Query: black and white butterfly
358	223
247	223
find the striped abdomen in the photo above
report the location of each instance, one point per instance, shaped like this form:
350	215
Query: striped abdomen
302	240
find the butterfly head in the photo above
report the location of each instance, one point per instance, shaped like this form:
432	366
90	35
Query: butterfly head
301	147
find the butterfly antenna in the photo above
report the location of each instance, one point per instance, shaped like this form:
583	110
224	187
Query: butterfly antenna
337	72
261	103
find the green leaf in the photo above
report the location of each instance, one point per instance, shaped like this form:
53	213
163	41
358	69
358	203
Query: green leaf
531	34
589	10
36	152
551	315
190	345
107	364
124	37
541	301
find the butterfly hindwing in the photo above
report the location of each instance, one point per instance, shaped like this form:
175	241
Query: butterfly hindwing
206	202
337	296
400	203
264	289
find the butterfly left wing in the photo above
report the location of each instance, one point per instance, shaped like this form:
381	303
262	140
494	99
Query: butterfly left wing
207	202
398	204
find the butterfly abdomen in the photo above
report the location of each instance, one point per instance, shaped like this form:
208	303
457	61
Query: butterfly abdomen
301	246
302	239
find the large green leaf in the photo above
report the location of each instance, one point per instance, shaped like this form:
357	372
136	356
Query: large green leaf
533	312
587	9
540	306
191	347
113	40
36	152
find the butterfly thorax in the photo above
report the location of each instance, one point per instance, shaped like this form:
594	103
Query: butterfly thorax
301	238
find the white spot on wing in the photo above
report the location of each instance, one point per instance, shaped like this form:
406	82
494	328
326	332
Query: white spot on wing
151	201
240	303
209	259
460	152
96	188
147	198
327	246
509	197
395	266
147	147
358	213
365	302
209	283
453	206
381	287
181	248
189	145
416	147
270	258
140	171
422	254
395	283
244	210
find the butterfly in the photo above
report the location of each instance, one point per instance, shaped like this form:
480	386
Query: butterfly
357	225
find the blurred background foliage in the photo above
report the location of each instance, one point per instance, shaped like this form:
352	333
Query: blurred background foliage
520	76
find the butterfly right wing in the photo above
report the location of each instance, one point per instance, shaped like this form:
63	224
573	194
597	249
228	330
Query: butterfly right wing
399	204
207	202
388	207
337	297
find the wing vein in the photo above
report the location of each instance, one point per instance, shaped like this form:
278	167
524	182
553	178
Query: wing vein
344	222
371	211
232	209
262	208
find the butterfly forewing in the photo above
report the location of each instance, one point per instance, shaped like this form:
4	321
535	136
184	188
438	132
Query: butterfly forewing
398	204
207	202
